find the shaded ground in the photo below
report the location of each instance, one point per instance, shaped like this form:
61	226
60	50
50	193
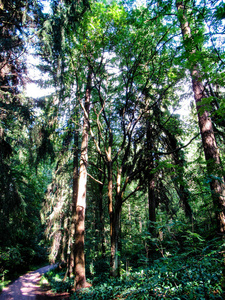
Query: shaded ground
49	296
46	294
26	288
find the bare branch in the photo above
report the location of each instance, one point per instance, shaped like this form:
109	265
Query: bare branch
178	149
96	180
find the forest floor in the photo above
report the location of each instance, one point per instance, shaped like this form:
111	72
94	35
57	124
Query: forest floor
27	287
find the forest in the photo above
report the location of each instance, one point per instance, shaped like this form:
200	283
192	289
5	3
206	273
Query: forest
116	171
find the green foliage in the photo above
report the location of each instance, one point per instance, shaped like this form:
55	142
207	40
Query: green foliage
195	273
21	232
138	67
220	11
55	279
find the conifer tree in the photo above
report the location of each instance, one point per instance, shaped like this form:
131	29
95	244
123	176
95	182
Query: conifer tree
192	43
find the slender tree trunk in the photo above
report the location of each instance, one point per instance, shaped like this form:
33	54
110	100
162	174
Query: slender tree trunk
150	187
70	266
99	204
116	227
68	271
150	180
80	275
211	150
151	201
111	217
115	239
112	220
101	219
114	216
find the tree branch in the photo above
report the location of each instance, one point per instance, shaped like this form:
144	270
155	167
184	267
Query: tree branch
178	149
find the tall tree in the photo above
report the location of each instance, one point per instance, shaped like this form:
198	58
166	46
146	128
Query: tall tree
80	277
20	193
192	43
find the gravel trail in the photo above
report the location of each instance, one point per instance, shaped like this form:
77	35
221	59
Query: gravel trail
26	286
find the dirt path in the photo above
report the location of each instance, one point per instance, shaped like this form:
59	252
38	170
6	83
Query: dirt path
26	286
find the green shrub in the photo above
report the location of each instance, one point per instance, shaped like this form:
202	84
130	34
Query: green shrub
196	273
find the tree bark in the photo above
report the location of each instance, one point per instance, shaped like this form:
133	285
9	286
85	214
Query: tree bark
99	203
111	217
71	261
151	180
101	220
80	275
114	263
211	150
115	230
114	216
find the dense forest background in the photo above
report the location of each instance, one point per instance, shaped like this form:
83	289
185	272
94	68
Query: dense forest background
117	173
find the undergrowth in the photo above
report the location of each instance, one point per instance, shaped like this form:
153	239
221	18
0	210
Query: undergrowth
194	274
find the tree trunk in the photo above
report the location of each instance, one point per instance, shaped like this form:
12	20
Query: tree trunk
115	239
70	266
211	150
151	202
111	216
80	275
114	262
150	179
114	216
101	221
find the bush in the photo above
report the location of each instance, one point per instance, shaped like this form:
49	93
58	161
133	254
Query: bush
194	274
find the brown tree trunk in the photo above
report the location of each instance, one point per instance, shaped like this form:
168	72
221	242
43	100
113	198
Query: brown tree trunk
114	262
80	275
111	217
101	219
151	202
151	180
114	215
211	150
113	271
99	204
117	225
71	260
